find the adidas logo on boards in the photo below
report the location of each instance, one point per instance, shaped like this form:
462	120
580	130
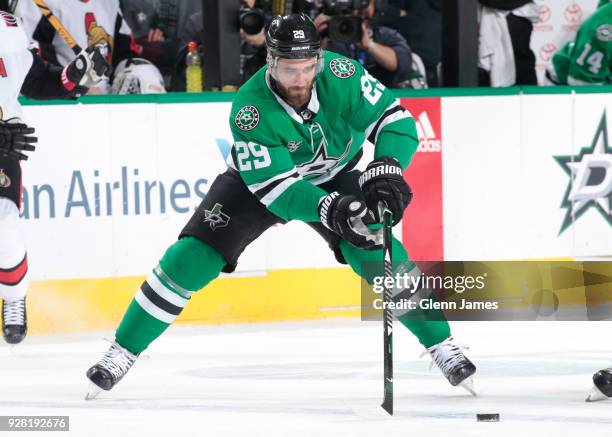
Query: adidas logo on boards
428	140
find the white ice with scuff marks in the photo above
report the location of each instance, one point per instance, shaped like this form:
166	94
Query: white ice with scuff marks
320	378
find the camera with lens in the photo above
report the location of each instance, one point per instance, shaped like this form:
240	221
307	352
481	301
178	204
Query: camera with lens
343	26
253	20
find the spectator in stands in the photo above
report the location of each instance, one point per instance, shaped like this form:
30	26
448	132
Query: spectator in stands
588	58
420	23
382	50
174	14
143	20
146	26
505	57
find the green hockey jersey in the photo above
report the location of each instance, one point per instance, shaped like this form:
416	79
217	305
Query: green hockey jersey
282	155
587	59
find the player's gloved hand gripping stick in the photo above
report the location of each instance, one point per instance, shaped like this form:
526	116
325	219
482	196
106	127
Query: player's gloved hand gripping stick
345	214
383	181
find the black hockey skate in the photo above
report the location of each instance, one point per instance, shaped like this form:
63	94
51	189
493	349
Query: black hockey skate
14	321
455	366
603	386
109	370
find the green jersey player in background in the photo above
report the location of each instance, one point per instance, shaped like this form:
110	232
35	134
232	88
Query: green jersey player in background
298	125
588	58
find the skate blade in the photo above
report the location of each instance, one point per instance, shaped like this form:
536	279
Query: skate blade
596	395
93	392
468	384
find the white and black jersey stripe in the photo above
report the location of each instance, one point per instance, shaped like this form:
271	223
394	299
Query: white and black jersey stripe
392	114
159	300
268	191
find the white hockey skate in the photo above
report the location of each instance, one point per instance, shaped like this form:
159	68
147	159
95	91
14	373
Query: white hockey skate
109	370
14	321
455	366
602	386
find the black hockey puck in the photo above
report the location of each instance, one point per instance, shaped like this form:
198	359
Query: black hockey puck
487	417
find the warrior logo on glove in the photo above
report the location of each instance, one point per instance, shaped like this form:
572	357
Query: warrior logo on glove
382	183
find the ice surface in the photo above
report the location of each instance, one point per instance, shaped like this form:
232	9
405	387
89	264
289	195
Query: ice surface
319	378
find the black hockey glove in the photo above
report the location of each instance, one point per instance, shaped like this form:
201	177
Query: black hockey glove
382	183
345	215
16	138
85	71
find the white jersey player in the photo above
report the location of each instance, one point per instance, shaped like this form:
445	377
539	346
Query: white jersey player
24	72
92	23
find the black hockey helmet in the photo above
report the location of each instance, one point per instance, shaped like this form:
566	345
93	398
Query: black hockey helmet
293	37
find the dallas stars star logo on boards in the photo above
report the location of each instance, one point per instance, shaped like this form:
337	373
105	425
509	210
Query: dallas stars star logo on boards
590	184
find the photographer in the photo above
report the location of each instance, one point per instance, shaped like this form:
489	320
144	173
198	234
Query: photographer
382	50
253	18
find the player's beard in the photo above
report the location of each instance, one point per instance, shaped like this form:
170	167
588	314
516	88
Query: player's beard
297	97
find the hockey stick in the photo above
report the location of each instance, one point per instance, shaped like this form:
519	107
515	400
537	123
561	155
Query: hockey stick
387	314
58	26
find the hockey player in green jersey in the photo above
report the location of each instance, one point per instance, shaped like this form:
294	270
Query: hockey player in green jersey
588	59
298	125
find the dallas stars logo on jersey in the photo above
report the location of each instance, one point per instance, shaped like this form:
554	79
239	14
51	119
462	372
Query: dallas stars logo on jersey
342	68
604	32
247	118
321	162
590	183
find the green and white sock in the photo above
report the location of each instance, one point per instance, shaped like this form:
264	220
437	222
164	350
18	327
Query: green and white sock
156	305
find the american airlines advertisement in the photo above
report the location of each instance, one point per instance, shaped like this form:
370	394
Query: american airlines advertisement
521	177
